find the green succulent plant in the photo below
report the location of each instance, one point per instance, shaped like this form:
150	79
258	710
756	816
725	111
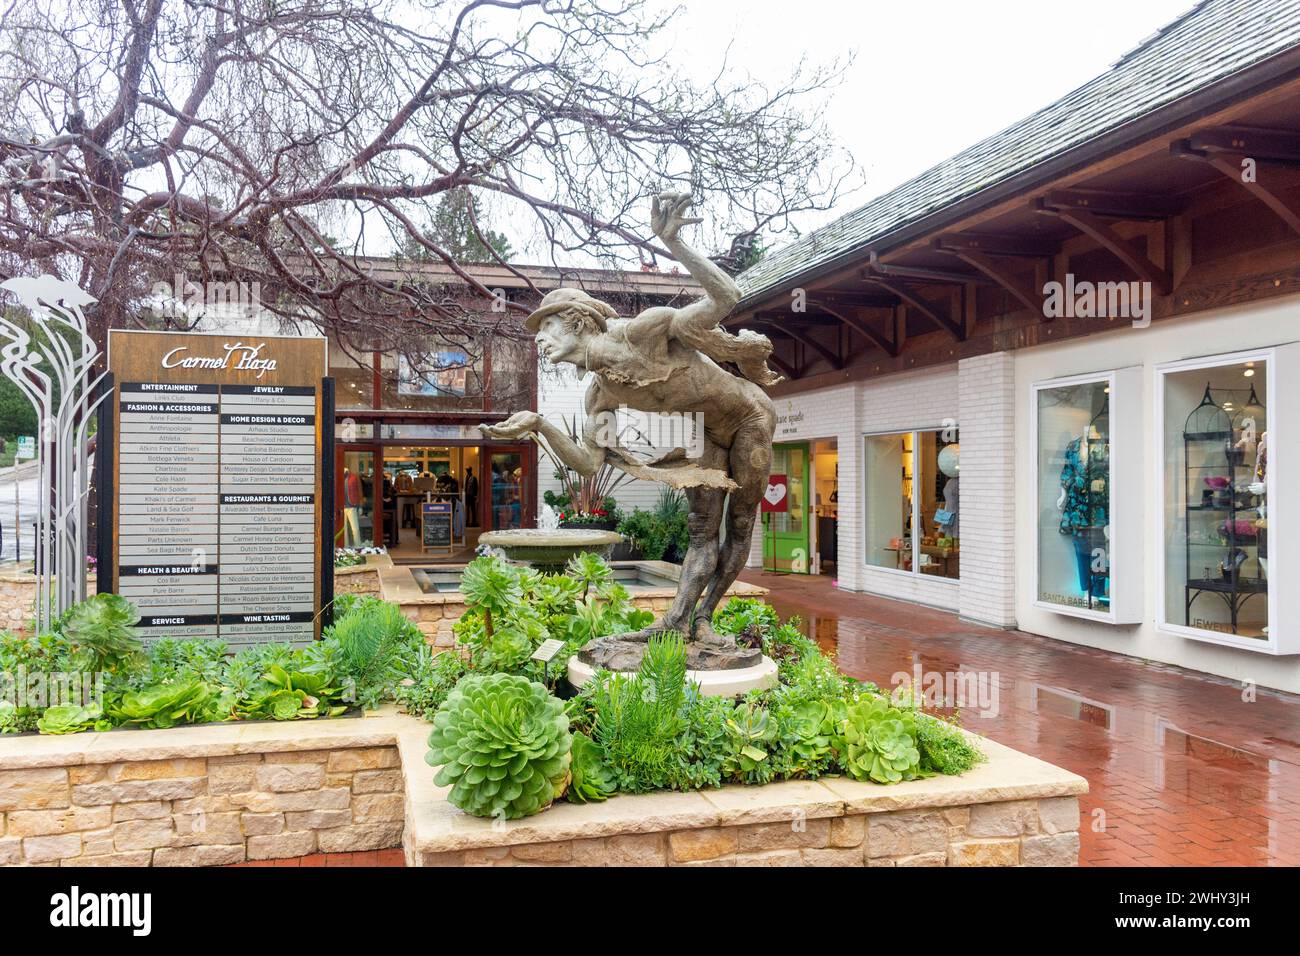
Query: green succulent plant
752	731
69	719
593	780
503	744
879	742
101	631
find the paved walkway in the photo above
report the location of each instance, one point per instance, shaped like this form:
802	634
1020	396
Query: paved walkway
1183	772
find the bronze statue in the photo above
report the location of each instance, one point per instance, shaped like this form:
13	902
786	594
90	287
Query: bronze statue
670	360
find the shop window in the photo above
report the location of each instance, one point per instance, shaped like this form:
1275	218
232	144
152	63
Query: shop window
1088	495
354	376
913	502
437	376
1217	565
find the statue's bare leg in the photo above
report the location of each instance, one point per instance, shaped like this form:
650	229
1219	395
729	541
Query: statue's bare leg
750	464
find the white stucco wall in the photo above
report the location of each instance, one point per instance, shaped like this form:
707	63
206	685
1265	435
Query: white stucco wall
1223	331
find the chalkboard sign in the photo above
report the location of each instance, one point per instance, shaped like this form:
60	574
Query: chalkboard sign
435	528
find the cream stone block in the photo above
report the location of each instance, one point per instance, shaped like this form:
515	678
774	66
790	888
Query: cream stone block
143	834
849	831
377	781
984	853
905	833
265	824
590	852
48	822
89	774
290	778
316	819
158	769
233	778
923	859
843	856
208	829
1013	818
378	807
1057	849
636	849
281	846
134	791
706	844
784	801
336	799
144	810
791	834
41	788
11	851
130	858
441	859
365	836
489	856
362	758
561	852
199	855
45	849
1058	815
770	858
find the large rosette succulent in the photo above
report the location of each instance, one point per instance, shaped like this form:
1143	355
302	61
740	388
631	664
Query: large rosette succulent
503	745
880	742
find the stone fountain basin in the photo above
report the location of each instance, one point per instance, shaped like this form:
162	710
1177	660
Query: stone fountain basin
550	549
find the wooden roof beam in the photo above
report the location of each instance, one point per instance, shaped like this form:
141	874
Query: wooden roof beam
878	268
1028	246
1269	145
997	273
858	323
799	335
951	324
1100	232
1232	166
1113	205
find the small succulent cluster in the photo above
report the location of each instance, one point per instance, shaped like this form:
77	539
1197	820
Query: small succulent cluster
503	744
880	742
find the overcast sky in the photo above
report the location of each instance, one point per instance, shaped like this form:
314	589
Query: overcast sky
930	76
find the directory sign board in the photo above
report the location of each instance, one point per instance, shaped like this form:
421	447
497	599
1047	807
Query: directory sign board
218	498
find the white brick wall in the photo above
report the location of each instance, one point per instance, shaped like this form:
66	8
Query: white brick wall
986	388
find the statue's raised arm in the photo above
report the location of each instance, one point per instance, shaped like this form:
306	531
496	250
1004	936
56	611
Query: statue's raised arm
667	216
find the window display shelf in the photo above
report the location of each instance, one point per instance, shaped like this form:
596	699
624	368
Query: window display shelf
1223	527
1087	458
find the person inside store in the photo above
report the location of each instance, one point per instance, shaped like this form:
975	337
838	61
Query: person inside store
471	497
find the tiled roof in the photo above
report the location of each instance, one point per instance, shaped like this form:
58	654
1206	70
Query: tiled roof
1213	40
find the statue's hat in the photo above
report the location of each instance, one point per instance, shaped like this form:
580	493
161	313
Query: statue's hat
562	300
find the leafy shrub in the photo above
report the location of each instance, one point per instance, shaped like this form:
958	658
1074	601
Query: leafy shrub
944	748
370	648
502	743
431	681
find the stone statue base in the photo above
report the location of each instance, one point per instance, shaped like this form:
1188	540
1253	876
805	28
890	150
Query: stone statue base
731	682
622	652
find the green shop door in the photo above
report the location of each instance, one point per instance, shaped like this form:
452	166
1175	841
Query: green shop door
785	533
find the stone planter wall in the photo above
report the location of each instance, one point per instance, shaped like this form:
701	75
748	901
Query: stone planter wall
1013	810
358	579
234	792
194	797
18	597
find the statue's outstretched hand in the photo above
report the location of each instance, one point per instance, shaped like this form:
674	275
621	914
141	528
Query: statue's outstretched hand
516	426
668	214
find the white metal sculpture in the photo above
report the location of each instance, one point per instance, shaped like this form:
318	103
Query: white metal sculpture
59	357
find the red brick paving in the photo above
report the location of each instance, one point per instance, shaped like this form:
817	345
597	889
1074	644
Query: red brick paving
363	858
1182	770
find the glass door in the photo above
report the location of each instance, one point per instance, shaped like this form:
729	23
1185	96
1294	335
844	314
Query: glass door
506	478
354	491
786	532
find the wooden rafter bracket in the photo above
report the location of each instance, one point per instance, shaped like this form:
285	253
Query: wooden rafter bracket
993	245
1231	165
1264	145
850	316
1091	225
803	337
876	267
999	275
951	324
1107	204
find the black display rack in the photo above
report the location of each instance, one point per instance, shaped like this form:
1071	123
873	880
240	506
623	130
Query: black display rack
1216	475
